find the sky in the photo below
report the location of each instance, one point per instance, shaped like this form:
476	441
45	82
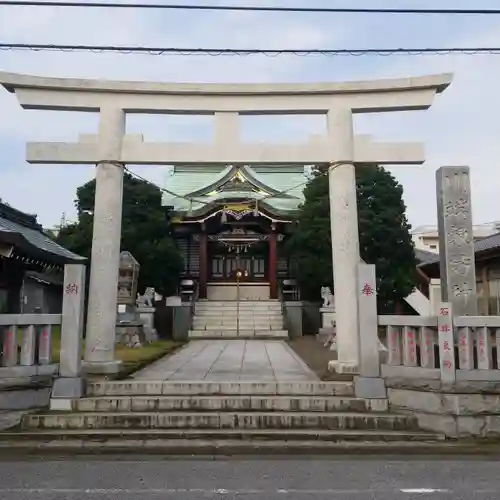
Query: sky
461	128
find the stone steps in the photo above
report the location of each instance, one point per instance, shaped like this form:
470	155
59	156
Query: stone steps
233	325
224	436
196	388
254	313
235	334
231	416
221	420
244	322
248	319
229	402
242	303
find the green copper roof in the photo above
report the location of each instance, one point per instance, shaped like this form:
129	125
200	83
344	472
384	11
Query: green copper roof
285	184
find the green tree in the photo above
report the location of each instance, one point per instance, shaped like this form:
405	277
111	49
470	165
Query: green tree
146	233
384	234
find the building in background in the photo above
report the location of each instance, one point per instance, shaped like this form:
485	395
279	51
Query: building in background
487	257
426	237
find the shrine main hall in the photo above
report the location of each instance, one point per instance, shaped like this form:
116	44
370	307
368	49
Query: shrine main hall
228	218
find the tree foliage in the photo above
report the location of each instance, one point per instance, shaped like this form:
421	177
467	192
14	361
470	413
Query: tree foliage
384	234
146	233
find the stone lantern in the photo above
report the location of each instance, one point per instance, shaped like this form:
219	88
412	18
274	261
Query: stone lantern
129	326
128	277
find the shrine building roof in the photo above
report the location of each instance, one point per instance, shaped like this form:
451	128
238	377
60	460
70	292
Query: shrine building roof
23	232
278	188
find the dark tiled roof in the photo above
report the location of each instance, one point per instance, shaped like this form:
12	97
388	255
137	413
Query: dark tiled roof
425	257
488	243
33	236
484	244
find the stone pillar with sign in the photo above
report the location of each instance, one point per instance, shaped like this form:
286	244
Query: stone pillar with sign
446	342
456	249
369	383
70	384
456	242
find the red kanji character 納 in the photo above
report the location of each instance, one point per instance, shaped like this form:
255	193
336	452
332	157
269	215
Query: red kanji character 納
71	288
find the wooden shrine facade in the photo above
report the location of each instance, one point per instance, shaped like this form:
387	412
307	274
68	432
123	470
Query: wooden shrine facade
217	247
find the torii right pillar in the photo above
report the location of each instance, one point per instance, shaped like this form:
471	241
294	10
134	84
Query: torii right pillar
348	150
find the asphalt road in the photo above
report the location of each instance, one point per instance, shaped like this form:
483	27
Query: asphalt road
155	478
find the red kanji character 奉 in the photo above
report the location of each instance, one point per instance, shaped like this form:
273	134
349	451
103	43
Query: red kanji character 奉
367	289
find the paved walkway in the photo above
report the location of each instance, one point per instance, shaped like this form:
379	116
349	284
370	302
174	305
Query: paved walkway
230	360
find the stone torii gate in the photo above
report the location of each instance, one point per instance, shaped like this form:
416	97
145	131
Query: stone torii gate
112	148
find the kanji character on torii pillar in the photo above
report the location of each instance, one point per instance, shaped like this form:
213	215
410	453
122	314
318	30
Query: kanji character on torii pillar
111	149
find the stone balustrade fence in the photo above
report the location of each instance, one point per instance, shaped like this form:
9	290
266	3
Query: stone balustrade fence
463	347
27	344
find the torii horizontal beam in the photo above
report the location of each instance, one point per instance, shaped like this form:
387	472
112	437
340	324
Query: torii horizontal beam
135	151
74	94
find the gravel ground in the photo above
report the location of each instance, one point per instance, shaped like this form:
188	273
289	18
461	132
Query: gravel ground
316	357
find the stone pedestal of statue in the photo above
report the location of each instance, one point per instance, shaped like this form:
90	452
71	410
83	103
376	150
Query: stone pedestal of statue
129	327
327	329
146	315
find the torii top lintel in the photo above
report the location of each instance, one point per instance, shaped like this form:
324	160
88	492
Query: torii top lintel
78	94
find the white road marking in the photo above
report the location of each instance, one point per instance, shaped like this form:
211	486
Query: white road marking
424	491
217	491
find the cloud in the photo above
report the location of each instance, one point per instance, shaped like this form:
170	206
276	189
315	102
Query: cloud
460	128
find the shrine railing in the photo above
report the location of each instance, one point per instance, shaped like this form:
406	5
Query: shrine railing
412	344
26	344
477	344
461	347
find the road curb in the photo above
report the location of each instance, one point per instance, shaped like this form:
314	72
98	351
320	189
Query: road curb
233	448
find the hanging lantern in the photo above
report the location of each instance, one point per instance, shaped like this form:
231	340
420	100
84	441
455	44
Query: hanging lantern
190	209
223	218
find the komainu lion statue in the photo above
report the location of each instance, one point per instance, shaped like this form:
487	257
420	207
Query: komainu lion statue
146	300
326	295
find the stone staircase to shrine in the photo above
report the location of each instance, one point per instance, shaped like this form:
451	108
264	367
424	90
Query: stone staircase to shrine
220	417
228	319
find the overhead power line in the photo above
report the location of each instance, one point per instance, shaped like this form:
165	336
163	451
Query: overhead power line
254	8
246	52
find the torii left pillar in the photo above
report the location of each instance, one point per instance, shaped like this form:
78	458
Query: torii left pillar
101	316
